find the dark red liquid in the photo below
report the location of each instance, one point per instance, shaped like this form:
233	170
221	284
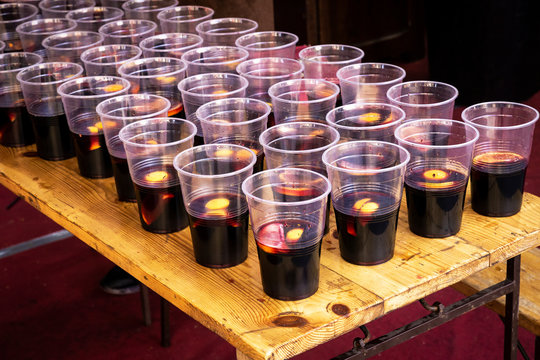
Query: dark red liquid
15	127
122	179
435	210
161	209
366	237
177	111
220	239
254	146
92	156
288	273
498	194
198	140
52	135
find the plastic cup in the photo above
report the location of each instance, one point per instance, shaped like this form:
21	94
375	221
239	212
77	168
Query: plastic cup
237	121
223	59
113	3
159	76
60	8
11	16
68	46
424	99
368	82
92	18
436	177
39	85
169	45
303	100
183	19
500	156
367	184
80	98
366	121
323	61
15	124
151	146
105	60
32	33
200	89
117	112
225	31
2	47
211	177
287	208
147	9
268	44
130	32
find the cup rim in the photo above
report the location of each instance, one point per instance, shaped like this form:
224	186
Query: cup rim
357	105
126	4
273	89
49	38
142	122
143	46
366	171
120	98
118	15
244	100
325	46
260	33
79	71
182	83
72	26
288	203
199	50
254	26
512	127
86	53
61	89
20	54
339	73
209	146
239	68
27	18
444	102
41	5
103	28
122	68
455	122
161	15
265	145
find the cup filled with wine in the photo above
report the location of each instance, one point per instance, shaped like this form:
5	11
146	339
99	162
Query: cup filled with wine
367	184
501	155
288	230
211	178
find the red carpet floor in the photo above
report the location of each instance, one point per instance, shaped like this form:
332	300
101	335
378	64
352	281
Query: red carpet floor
52	308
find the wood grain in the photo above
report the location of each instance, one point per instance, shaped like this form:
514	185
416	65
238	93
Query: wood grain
231	301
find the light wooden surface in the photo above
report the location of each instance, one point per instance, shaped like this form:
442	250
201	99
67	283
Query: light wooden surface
529	292
231	301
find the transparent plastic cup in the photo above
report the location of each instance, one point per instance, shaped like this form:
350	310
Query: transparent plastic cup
368	82
183	19
501	155
2	47
92	18
130	32
113	3
437	174
32	33
147	9
159	76
200	89
225	31
366	121
237	121
60	8
264	44
105	60
80	98
287	207
367	184
169	45
323	61
424	99
39	85
11	16
151	146
68	46
15	124
303	100
117	112
209	59
211	177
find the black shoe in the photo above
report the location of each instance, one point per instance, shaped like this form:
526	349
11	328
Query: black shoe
119	282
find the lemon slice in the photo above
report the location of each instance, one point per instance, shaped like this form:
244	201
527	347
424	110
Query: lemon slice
370	117
294	235
223	152
218	203
113	87
166	79
156	176
366	206
435	174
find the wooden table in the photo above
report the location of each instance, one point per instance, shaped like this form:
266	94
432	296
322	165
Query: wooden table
231	301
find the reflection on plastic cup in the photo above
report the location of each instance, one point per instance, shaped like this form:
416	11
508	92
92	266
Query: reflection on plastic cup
225	31
268	44
183	19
